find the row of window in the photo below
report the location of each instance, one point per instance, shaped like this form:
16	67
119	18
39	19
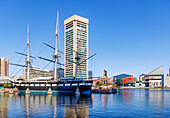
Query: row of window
81	25
69	54
69	32
69	42
69	26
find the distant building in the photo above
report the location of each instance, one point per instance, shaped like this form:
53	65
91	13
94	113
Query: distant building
90	74
94	82
38	72
155	78
4	66
60	72
142	77
131	83
121	79
167	81
76	39
103	80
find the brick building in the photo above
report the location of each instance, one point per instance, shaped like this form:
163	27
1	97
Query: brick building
4	66
103	80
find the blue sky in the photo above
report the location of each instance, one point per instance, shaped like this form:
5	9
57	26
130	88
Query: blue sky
129	36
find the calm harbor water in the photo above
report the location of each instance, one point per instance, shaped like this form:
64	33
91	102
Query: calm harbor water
126	103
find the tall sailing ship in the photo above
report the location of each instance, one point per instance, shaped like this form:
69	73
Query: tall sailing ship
57	85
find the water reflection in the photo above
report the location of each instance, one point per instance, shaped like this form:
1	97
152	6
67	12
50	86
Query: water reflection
68	106
145	96
105	99
4	106
126	103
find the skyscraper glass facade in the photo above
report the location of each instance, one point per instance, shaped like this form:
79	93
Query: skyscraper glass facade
76	40
69	50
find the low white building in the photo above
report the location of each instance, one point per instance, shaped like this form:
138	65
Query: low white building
167	81
155	78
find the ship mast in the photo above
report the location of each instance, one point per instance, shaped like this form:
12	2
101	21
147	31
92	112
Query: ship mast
77	58
28	61
55	53
77	62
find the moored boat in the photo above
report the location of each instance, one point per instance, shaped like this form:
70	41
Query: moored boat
57	85
106	91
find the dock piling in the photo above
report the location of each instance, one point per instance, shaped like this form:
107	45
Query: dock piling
27	91
49	91
77	91
11	91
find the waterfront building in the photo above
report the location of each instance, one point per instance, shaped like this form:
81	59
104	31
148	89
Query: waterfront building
131	83
121	79
90	74
167	81
76	40
60	72
141	82
155	78
4	66
142	77
103	80
38	72
94	82
3	80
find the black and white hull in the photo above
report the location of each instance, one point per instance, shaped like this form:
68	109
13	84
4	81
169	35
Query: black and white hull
56	86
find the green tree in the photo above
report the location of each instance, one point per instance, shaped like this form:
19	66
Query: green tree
98	83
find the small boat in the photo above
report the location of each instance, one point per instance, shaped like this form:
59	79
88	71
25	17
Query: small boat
106	91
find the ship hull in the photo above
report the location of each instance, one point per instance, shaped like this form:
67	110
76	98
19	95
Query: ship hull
56	87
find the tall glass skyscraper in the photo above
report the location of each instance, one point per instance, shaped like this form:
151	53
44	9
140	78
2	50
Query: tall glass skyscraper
76	39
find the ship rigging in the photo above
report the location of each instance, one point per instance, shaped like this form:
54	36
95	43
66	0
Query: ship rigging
58	85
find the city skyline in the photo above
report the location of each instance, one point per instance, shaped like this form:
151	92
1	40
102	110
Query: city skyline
128	37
